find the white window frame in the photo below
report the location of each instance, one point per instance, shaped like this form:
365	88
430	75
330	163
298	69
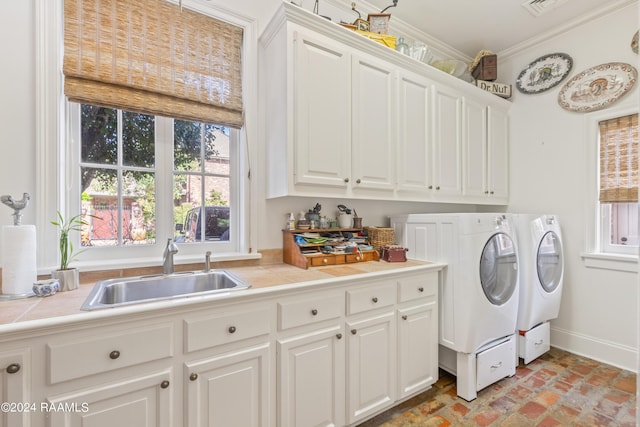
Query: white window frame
597	254
53	165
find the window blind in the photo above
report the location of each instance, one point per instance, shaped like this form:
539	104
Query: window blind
619	159
153	57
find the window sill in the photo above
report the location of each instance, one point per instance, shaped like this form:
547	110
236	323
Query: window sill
618	262
114	264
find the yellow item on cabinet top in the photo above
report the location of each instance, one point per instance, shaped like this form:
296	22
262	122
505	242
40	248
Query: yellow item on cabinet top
385	39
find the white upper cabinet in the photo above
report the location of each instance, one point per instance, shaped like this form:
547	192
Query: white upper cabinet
373	138
347	117
485	154
498	155
414	135
322	125
475	149
447	123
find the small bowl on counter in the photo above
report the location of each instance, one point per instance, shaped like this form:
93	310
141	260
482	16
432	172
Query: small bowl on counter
45	288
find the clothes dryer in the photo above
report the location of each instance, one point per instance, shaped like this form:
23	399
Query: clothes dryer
478	294
541	277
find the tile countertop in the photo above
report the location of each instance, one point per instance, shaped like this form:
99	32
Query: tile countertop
64	307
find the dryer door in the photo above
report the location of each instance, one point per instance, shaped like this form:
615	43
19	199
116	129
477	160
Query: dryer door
499	269
550	262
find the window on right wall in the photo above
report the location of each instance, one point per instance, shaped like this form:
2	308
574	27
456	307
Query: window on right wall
618	184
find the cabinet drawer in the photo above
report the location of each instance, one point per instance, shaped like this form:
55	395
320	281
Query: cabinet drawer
211	331
309	310
496	363
416	287
317	261
534	342
370	297
105	353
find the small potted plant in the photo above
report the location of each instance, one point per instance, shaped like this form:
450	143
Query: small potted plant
67	277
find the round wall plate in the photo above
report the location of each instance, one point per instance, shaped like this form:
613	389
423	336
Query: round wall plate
544	73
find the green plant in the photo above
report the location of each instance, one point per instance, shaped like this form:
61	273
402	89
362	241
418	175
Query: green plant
74	223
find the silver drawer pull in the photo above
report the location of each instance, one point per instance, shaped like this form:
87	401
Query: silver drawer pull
193	376
538	342
114	355
164	384
374	299
232	329
497	365
421	289
314	312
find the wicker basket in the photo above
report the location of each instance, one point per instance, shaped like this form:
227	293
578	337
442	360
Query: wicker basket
380	236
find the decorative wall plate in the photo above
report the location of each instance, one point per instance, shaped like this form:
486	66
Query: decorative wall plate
544	73
597	87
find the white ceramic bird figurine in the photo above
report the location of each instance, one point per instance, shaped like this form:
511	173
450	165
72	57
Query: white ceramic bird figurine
16	205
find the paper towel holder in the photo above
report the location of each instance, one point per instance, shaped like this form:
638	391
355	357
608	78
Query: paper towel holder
17	206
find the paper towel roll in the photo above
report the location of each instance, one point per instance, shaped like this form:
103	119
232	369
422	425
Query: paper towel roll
19	269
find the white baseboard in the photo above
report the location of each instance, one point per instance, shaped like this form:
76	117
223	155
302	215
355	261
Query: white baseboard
614	354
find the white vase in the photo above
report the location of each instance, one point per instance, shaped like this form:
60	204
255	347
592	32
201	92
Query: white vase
69	279
345	220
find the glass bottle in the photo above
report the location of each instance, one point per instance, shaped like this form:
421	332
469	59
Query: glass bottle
402	46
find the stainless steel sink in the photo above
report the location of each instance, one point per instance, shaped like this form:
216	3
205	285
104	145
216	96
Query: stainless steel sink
134	290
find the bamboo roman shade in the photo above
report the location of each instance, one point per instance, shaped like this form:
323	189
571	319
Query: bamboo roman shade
619	159
153	57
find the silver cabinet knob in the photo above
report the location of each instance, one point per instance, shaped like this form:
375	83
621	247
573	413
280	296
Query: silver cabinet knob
114	355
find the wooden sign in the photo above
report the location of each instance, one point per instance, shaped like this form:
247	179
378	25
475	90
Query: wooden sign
500	89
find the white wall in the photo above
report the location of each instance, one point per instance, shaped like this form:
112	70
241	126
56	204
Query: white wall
598	316
17	106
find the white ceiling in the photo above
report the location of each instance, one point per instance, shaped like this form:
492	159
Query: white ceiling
496	25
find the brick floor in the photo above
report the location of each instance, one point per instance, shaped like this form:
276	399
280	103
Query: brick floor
557	389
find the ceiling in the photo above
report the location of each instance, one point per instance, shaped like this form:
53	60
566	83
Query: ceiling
496	25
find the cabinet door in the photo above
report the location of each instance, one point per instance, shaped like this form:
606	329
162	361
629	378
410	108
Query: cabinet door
498	169
414	130
321	123
138	401
15	386
418	347
447	125
474	132
371	365
373	137
311	384
231	389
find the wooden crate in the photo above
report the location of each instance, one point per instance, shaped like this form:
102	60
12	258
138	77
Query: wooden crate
487	68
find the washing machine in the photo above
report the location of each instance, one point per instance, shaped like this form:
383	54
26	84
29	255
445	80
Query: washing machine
478	294
541	274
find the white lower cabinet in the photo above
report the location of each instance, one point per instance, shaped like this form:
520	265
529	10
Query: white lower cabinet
145	400
371	364
230	389
306	357
15	374
417	333
311	378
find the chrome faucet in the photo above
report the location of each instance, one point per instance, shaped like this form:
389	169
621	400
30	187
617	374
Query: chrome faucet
207	261
167	258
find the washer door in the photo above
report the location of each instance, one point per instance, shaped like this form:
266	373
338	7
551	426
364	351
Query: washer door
499	269
549	261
